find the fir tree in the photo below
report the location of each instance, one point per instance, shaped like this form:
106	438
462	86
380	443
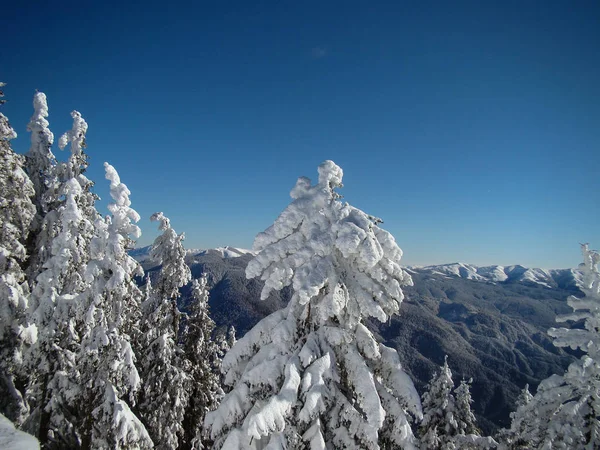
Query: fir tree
109	319
518	436
311	374
165	393
54	298
16	214
204	356
439	423
41	167
565	411
466	423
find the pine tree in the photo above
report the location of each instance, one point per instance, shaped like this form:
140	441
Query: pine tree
54	298
518	436
109	318
565	411
40	165
311	374
16	214
466	423
439	423
204	356
165	394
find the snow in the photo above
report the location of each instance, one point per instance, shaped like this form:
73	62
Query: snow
548	278
13	439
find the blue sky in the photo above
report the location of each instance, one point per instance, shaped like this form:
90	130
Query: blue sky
471	128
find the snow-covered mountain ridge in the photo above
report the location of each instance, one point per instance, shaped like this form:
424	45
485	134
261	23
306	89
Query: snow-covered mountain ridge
142	254
550	278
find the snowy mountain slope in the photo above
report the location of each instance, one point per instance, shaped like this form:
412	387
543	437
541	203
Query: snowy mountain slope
13	439
550	278
492	322
142	254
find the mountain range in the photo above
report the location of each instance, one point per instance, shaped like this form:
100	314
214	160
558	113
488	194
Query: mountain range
491	321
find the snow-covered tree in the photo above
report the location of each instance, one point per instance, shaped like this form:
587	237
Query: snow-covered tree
517	437
467	435
466	423
109	315
439	423
16	214
165	393
54	298
565	410
40	165
204	356
312	374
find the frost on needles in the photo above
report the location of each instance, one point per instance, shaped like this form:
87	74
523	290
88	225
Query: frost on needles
312	374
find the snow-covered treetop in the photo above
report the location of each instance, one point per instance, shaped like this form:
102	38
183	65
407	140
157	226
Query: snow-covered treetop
168	250
120	209
41	137
319	244
76	136
6	131
589	267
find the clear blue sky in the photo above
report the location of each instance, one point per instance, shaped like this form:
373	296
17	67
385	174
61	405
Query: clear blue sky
471	128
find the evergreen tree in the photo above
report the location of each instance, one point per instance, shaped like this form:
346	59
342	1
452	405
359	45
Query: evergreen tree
518	436
466	423
54	297
109	318
439	423
204	356
16	214
311	374
41	167
165	393
565	411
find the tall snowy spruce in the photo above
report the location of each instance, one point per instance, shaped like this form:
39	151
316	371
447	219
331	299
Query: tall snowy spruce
517	437
165	393
565	411
204	355
40	165
54	298
16	214
312	375
109	316
438	424
448	421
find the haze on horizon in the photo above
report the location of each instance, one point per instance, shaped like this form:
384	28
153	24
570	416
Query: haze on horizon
472	129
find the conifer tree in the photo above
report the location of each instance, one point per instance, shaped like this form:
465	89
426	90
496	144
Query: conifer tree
312	375
109	318
41	167
54	298
165	393
204	356
439	423
517	437
466	423
16	214
565	410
